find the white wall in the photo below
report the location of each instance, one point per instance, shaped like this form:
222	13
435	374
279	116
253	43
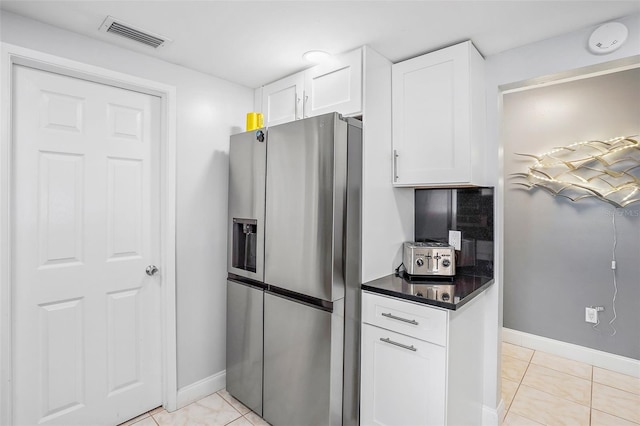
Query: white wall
548	57
208	111
387	212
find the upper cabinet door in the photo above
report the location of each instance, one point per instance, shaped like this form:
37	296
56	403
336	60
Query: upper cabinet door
335	86
438	118
282	100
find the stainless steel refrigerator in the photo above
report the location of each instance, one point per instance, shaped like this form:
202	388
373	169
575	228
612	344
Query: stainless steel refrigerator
293	304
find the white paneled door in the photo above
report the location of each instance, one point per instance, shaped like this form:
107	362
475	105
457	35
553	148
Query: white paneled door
86	336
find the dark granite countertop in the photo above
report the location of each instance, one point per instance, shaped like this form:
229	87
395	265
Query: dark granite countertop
466	288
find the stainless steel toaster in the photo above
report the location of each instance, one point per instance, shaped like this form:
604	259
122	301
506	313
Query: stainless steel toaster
429	259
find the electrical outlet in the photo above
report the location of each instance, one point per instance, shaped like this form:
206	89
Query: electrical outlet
455	239
591	315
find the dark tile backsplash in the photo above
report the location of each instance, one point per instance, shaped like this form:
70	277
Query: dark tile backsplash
469	210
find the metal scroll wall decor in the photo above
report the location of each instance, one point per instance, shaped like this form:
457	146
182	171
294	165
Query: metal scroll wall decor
608	170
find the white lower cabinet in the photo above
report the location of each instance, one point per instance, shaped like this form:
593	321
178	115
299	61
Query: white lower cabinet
403	379
421	365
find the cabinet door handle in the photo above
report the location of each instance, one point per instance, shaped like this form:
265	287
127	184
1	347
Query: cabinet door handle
305	113
387	340
395	165
298	108
389	315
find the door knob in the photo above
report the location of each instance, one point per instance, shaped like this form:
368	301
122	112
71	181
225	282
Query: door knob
151	270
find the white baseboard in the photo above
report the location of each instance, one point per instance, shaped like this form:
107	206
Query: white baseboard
594	357
493	416
201	388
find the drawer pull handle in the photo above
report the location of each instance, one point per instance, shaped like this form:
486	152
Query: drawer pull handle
414	322
387	340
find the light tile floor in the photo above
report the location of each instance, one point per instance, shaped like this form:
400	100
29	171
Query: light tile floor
544	389
537	388
218	409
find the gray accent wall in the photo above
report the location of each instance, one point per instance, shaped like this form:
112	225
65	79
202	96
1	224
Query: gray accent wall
557	253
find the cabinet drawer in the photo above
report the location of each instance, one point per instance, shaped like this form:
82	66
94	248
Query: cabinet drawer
422	322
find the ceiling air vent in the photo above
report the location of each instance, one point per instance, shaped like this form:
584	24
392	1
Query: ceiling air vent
111	25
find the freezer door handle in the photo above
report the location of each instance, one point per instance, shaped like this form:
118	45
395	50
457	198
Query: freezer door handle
387	340
389	315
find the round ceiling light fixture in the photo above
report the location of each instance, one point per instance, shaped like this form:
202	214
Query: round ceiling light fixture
608	38
316	56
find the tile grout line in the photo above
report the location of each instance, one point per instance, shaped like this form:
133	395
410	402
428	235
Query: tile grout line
558	397
613	386
560	371
519	385
243	416
516	391
591	399
590	406
590	379
231	405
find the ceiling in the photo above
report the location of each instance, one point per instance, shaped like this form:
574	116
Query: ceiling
257	42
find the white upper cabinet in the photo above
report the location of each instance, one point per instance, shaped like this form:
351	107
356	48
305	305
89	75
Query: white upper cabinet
335	86
282	100
438	106
332	86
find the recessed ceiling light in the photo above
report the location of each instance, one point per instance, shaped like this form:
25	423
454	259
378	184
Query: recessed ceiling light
608	37
316	56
